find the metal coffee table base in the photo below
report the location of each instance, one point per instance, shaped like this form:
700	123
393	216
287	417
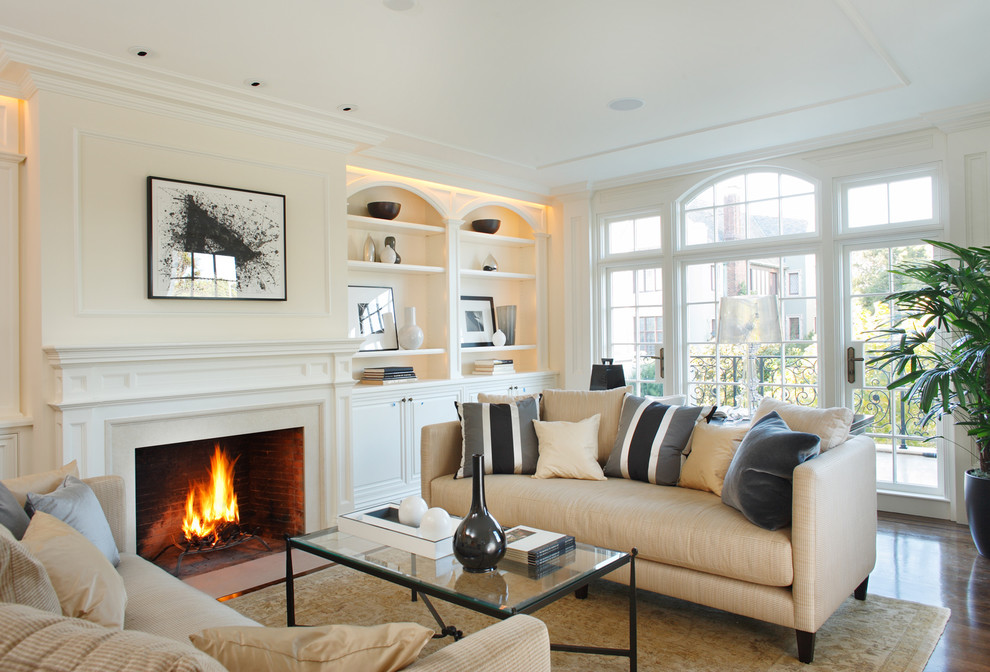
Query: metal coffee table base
579	588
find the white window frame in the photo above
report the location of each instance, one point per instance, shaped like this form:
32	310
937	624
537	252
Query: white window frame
844	184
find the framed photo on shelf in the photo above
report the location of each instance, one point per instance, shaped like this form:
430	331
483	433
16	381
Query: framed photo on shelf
371	314
477	321
210	242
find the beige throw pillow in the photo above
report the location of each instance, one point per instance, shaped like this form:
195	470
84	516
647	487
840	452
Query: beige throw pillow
576	405
569	449
831	425
326	648
714	446
23	579
86	583
42	483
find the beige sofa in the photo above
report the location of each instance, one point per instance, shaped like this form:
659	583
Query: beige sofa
164	606
692	546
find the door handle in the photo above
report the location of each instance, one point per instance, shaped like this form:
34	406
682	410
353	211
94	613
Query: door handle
851	360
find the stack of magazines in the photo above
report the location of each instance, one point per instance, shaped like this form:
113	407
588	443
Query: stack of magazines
489	367
538	549
384	375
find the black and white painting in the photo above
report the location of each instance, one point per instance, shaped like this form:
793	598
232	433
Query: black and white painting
477	321
210	242
371	315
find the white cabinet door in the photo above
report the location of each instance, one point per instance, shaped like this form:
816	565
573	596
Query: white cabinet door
426	410
378	451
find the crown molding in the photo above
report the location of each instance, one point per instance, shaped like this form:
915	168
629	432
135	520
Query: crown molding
447	172
961	118
55	67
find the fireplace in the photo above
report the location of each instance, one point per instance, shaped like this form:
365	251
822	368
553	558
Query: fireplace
267	485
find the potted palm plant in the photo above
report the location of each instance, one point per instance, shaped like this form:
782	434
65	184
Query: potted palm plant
939	348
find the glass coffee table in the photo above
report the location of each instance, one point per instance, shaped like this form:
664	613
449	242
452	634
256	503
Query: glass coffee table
513	588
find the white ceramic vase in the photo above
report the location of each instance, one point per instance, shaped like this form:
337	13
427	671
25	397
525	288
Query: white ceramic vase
498	338
410	335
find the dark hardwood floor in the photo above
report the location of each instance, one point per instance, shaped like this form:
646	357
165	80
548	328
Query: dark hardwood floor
935	562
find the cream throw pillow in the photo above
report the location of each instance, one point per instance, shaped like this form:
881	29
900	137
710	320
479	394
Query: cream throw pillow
86	583
714	446
326	648
42	483
569	449
577	405
23	579
831	425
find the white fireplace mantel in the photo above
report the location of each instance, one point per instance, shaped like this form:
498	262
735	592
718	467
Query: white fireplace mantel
110	400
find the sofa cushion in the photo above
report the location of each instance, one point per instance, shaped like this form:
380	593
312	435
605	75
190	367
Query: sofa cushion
674	526
760	479
576	405
74	503
162	605
650	440
714	446
569	449
326	648
86	583
23	579
830	424
31	640
42	483
12	514
503	433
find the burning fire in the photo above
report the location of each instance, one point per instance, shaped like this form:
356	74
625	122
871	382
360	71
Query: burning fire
211	507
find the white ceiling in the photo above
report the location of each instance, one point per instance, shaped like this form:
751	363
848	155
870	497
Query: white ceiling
520	87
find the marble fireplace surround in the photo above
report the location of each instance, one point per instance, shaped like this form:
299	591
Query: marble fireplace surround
111	400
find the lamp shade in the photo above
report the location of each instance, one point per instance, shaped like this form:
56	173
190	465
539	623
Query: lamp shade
748	319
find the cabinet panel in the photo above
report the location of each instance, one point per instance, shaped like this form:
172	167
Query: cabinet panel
377	451
427	411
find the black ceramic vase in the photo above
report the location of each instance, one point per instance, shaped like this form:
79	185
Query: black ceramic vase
479	542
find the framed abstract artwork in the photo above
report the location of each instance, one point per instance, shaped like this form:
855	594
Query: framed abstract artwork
477	321
210	242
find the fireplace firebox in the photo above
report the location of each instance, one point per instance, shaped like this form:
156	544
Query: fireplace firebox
266	481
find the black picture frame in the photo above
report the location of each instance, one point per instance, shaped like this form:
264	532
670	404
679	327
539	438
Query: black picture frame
477	321
215	243
371	315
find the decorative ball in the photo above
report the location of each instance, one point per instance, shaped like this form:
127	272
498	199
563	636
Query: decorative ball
411	510
435	524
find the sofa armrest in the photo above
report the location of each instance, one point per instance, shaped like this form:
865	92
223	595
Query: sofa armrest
440	452
109	491
520	644
834	530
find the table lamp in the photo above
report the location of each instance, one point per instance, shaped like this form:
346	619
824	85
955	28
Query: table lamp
749	320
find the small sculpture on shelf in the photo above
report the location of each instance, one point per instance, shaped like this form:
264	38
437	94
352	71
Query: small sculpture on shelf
389	255
411	334
369	248
489	264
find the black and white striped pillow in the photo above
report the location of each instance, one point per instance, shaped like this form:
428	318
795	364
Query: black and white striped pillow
503	433
650	440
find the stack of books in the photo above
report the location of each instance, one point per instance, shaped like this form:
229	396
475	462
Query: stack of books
536	548
489	367
384	375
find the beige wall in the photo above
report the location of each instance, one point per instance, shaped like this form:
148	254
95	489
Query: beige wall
84	230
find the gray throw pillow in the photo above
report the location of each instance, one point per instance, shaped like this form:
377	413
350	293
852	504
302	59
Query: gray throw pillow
76	504
12	515
760	479
651	438
504	432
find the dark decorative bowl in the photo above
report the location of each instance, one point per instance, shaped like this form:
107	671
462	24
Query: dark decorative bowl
384	209
486	225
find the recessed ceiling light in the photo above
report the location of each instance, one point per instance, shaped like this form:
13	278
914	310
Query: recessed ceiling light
625	104
142	52
347	108
254	83
399	5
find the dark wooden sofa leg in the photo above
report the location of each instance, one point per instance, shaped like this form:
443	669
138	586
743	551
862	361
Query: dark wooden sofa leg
860	592
806	646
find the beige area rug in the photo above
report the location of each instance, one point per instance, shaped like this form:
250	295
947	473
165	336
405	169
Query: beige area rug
880	634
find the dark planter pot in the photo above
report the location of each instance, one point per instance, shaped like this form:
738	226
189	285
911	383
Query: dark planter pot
479	542
978	512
